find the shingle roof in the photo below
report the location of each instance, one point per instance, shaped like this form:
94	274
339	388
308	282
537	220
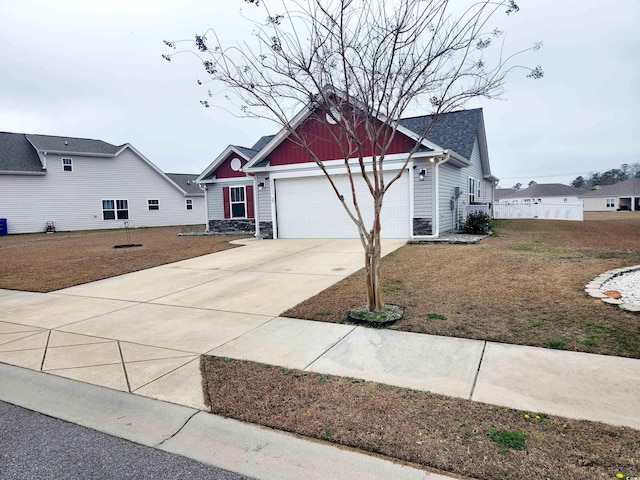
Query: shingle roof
501	193
17	154
72	145
454	130
540	190
186	181
628	187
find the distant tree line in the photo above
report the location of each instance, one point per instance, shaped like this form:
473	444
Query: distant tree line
615	175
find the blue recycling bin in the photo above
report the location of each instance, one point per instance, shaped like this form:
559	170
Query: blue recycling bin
3	227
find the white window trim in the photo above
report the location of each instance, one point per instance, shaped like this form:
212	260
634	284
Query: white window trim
70	164
471	192
115	209
157	204
610	202
188	203
231	203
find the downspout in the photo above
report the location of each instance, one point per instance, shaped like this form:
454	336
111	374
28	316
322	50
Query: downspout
436	197
436	179
256	210
204	187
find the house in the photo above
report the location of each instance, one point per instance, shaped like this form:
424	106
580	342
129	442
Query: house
85	184
275	188
541	193
617	197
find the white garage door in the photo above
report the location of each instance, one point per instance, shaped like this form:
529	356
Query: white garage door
308	208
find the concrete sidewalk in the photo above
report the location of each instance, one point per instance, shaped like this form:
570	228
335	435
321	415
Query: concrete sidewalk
143	333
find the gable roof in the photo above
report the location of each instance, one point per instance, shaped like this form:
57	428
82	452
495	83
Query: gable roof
629	187
187	182
454	130
540	190
72	145
17	155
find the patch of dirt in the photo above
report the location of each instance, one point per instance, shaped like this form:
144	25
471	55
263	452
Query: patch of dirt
45	262
431	430
523	286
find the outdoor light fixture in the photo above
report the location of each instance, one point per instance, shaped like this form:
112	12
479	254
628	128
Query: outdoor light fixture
432	159
422	174
260	185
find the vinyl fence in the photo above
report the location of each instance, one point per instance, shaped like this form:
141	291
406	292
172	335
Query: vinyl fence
547	211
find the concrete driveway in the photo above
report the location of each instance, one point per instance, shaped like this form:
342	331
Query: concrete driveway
143	332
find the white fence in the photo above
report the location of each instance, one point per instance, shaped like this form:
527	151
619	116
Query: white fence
547	211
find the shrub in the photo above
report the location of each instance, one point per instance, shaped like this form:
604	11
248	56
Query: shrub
478	223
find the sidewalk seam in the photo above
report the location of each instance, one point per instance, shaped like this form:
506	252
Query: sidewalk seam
475	379
328	349
177	431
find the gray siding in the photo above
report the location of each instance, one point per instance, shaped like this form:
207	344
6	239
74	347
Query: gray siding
216	205
423	190
449	178
73	200
264	200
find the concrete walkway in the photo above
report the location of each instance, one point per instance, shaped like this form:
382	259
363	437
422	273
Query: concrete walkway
143	333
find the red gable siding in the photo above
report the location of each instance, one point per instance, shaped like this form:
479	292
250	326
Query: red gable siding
225	170
316	132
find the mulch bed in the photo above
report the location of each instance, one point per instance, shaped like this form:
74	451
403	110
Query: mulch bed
426	429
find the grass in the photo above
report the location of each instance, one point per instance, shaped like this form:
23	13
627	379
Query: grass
42	262
434	431
524	286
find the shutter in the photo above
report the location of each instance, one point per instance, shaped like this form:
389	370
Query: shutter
250	212
226	201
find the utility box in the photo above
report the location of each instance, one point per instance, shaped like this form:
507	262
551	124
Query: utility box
3	227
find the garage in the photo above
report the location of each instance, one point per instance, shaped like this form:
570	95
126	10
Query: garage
307	207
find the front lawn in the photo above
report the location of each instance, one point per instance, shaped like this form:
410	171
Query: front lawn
41	262
449	434
523	286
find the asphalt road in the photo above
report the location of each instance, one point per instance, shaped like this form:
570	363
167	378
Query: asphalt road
35	446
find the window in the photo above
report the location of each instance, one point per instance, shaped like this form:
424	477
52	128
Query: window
472	190
189	203
67	165
238	205
611	202
153	204
115	209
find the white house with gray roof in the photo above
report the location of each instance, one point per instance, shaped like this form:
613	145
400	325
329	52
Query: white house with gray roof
539	193
622	196
85	184
275	188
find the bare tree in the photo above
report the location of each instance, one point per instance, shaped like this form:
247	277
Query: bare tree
362	64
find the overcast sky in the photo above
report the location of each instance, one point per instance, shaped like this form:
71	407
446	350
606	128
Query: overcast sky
93	68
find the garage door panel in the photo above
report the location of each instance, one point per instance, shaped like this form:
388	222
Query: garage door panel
308	208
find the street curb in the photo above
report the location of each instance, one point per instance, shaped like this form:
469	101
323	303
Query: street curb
229	444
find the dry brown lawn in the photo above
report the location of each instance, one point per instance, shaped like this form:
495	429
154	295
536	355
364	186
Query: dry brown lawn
523	286
43	262
430	430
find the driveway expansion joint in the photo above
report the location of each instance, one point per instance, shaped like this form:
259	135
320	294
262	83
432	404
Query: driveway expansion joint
475	378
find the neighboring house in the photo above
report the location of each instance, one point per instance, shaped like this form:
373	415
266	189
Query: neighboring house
620	196
276	189
501	193
541	193
85	184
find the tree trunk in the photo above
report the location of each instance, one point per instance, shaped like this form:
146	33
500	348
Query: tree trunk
372	262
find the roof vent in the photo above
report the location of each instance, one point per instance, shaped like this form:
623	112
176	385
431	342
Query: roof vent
66	143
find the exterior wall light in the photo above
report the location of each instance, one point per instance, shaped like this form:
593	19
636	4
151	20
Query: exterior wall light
260	185
422	174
